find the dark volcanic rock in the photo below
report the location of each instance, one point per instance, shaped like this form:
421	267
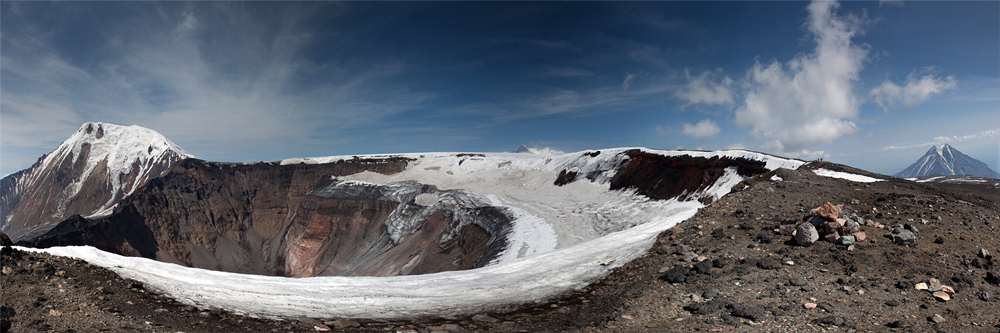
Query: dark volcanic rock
768	263
704	267
662	177
678	274
703	308
752	313
833	321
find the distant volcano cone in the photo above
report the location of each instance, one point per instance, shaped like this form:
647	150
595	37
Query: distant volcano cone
947	161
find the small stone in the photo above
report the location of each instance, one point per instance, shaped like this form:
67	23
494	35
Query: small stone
852	226
809	305
710	294
689	256
934	285
938	240
786	229
846	240
846	288
948	289
720	262
452	327
798	281
861	291
484	318
7	270
983	252
832	237
859	236
985	296
942	296
920	286
850	248
321	328
344	323
937	318
788	262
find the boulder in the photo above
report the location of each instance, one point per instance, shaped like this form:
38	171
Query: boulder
806	234
905	237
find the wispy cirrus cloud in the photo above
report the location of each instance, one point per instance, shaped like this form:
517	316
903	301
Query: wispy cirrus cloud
704	89
169	67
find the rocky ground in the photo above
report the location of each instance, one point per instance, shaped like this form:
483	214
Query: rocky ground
727	269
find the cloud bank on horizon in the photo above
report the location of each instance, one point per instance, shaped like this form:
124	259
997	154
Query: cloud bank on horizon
859	83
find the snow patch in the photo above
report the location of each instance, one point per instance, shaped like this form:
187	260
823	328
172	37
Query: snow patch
844	175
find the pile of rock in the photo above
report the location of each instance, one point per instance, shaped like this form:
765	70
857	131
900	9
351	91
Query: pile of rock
831	222
939	291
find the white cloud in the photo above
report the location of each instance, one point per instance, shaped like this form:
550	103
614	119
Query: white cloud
628	80
545	151
810	100
889	95
663	131
805	154
703	89
948	139
702	130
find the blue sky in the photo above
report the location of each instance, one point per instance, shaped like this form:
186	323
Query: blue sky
868	84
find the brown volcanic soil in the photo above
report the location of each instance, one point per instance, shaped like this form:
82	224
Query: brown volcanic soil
868	288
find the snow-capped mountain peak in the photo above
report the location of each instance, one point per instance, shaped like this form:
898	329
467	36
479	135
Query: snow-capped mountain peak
120	147
106	162
946	161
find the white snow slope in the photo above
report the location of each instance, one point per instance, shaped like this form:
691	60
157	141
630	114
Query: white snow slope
122	147
564	238
845	175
